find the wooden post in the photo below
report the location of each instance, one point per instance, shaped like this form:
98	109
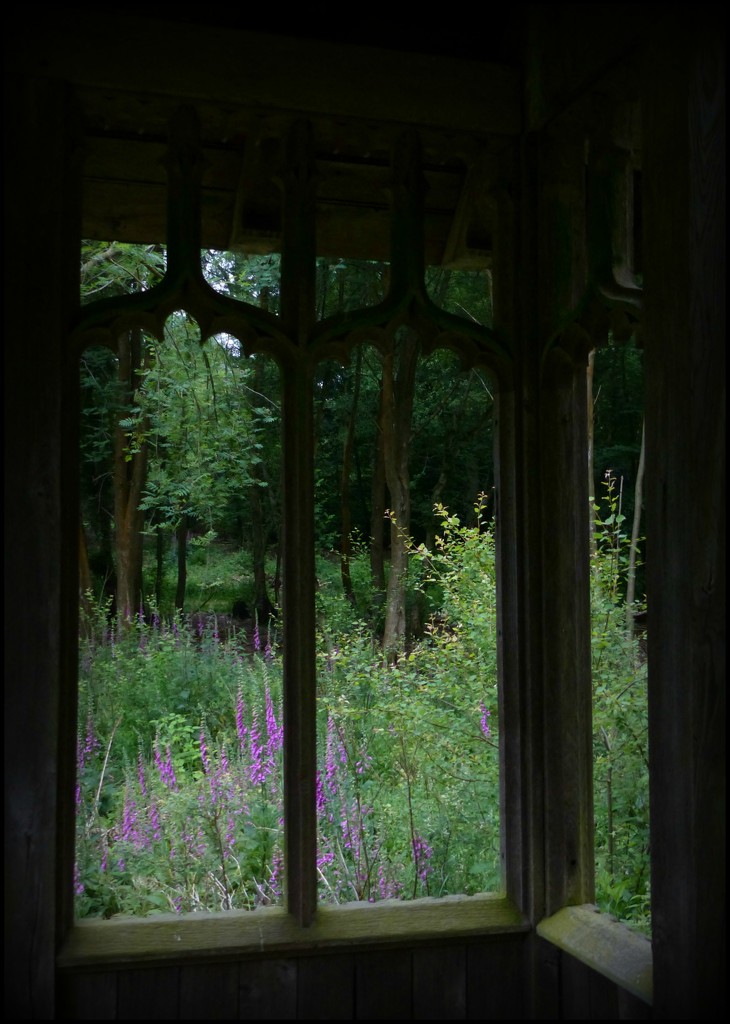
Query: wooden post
300	678
684	343
42	232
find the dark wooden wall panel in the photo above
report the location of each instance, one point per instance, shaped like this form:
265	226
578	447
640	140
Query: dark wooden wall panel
439	983
479	981
585	995
149	994
267	990
209	992
495	981
326	988
87	996
383	989
632	1008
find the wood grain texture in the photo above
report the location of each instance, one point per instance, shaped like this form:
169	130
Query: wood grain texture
439	983
326	987
149	994
383	989
209	991
267	990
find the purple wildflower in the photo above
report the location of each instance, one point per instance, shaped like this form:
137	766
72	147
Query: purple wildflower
484	721
230	836
240	726
204	753
155	821
130	831
258	769
274	731
321	797
277	867
422	853
140	775
165	768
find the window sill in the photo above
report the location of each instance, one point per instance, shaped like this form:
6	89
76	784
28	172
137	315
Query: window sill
605	945
171	938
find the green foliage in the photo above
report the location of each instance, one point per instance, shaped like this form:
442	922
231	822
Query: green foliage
408	752
620	731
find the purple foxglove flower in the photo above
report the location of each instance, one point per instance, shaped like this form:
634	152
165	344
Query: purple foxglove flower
484	721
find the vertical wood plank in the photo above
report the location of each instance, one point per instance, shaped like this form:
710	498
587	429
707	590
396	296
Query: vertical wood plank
43	201
439	983
495	981
90	996
383	986
209	992
542	991
632	1008
149	994
565	526
685	341
575	989
267	990
603	995
298	308
326	988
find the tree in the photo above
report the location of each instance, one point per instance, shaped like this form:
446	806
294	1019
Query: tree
112	269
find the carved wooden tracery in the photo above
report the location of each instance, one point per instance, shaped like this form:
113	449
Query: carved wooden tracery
297	342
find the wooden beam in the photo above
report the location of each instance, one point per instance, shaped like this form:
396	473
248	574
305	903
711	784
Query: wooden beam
270	71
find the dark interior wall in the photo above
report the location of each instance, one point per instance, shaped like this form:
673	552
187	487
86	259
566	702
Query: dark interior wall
684	336
684	236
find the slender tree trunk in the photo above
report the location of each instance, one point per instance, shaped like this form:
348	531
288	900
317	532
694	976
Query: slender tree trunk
84	570
635	527
398	394
345	509
377	509
260	527
85	602
130	474
181	535
590	433
159	563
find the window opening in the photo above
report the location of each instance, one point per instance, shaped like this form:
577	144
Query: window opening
619	620
180	702
408	775
283	323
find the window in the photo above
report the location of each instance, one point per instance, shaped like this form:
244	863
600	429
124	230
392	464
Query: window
300	344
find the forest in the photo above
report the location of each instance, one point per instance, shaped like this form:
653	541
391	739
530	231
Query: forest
180	739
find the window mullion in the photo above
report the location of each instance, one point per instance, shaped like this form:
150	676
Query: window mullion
298	266
299	646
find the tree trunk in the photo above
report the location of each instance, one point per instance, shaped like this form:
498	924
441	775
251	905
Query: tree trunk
260	527
590	433
181	535
84	570
377	511
635	527
345	509
86	606
130	474
398	394
159	564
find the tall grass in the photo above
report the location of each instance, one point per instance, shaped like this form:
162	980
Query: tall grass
179	797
